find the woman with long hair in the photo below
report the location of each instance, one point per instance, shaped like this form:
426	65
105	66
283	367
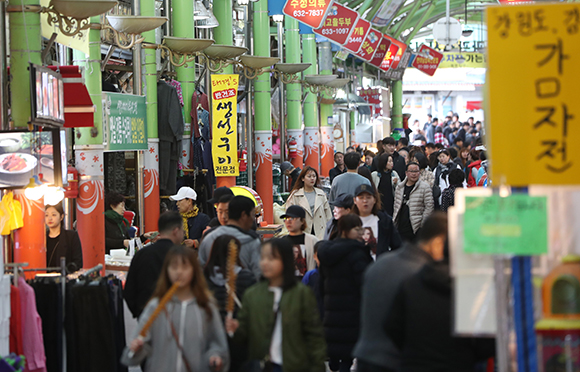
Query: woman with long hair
342	263
313	200
188	335
386	179
303	243
61	242
279	318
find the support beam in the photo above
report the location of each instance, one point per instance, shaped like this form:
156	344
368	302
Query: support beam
89	157
406	21
294	91
262	109
311	133
326	137
421	22
223	34
397	96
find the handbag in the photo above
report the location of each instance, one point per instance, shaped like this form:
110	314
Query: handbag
265	364
176	337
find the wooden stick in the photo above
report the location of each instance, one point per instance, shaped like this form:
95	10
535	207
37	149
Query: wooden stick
164	300
231	279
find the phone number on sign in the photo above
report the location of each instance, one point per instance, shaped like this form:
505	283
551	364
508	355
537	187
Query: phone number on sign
308	13
337	31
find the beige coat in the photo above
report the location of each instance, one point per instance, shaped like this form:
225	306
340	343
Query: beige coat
321	215
420	202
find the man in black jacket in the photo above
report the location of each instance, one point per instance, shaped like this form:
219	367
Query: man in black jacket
389	146
147	263
375	350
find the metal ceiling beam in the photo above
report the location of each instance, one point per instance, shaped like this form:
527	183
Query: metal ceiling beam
421	23
403	24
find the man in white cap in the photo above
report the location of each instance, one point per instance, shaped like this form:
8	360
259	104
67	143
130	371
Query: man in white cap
194	222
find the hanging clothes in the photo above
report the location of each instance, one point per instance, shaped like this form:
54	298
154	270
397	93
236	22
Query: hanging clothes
177	85
15	321
49	306
116	174
205	124
170	128
32	340
198	99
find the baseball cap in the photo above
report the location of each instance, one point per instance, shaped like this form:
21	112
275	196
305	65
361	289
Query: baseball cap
218	193
294	211
364	188
184	192
344	201
285	166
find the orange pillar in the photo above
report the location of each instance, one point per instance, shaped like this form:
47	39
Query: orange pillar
298	136
30	240
263	166
327	149
311	148
91	206
151	174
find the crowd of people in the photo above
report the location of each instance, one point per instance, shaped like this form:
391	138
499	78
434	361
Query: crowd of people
359	280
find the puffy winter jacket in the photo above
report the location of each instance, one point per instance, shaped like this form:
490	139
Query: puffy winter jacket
420	202
321	215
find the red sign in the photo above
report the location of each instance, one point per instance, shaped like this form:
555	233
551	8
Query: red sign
427	60
369	47
358	36
372	96
387	62
381	52
309	12
338	24
402	49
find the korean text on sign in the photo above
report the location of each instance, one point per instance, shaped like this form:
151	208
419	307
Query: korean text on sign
309	12
338	24
533	51
224	146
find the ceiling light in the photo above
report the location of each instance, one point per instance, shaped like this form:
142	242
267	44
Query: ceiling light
53	195
466	33
210	22
243	2
278	18
200	11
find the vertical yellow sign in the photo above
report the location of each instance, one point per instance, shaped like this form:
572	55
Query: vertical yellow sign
224	145
533	91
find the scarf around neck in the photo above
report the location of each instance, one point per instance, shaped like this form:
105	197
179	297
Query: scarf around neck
121	221
187	215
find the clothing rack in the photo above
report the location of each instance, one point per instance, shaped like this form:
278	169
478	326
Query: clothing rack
16	268
91	271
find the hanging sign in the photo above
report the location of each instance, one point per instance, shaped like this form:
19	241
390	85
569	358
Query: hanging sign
309	12
338	24
387	12
400	52
427	60
545	116
224	145
387	62
125	119
369	46
457	60
517	224
381	52
358	36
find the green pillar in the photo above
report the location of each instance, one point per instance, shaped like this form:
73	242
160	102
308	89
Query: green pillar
25	47
223	34
311	134
397	95
183	26
262	112
352	129
294	91
151	163
326	136
89	159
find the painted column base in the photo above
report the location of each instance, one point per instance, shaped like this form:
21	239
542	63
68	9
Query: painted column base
311	148
91	204
263	167
30	240
151	173
326	151
298	136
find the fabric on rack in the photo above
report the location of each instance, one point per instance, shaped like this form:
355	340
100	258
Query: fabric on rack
15	321
196	100
170	128
32	342
177	85
204	119
117	312
49	307
72	362
95	342
116	175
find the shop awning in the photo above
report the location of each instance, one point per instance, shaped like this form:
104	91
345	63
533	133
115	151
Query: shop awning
79	109
474	105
